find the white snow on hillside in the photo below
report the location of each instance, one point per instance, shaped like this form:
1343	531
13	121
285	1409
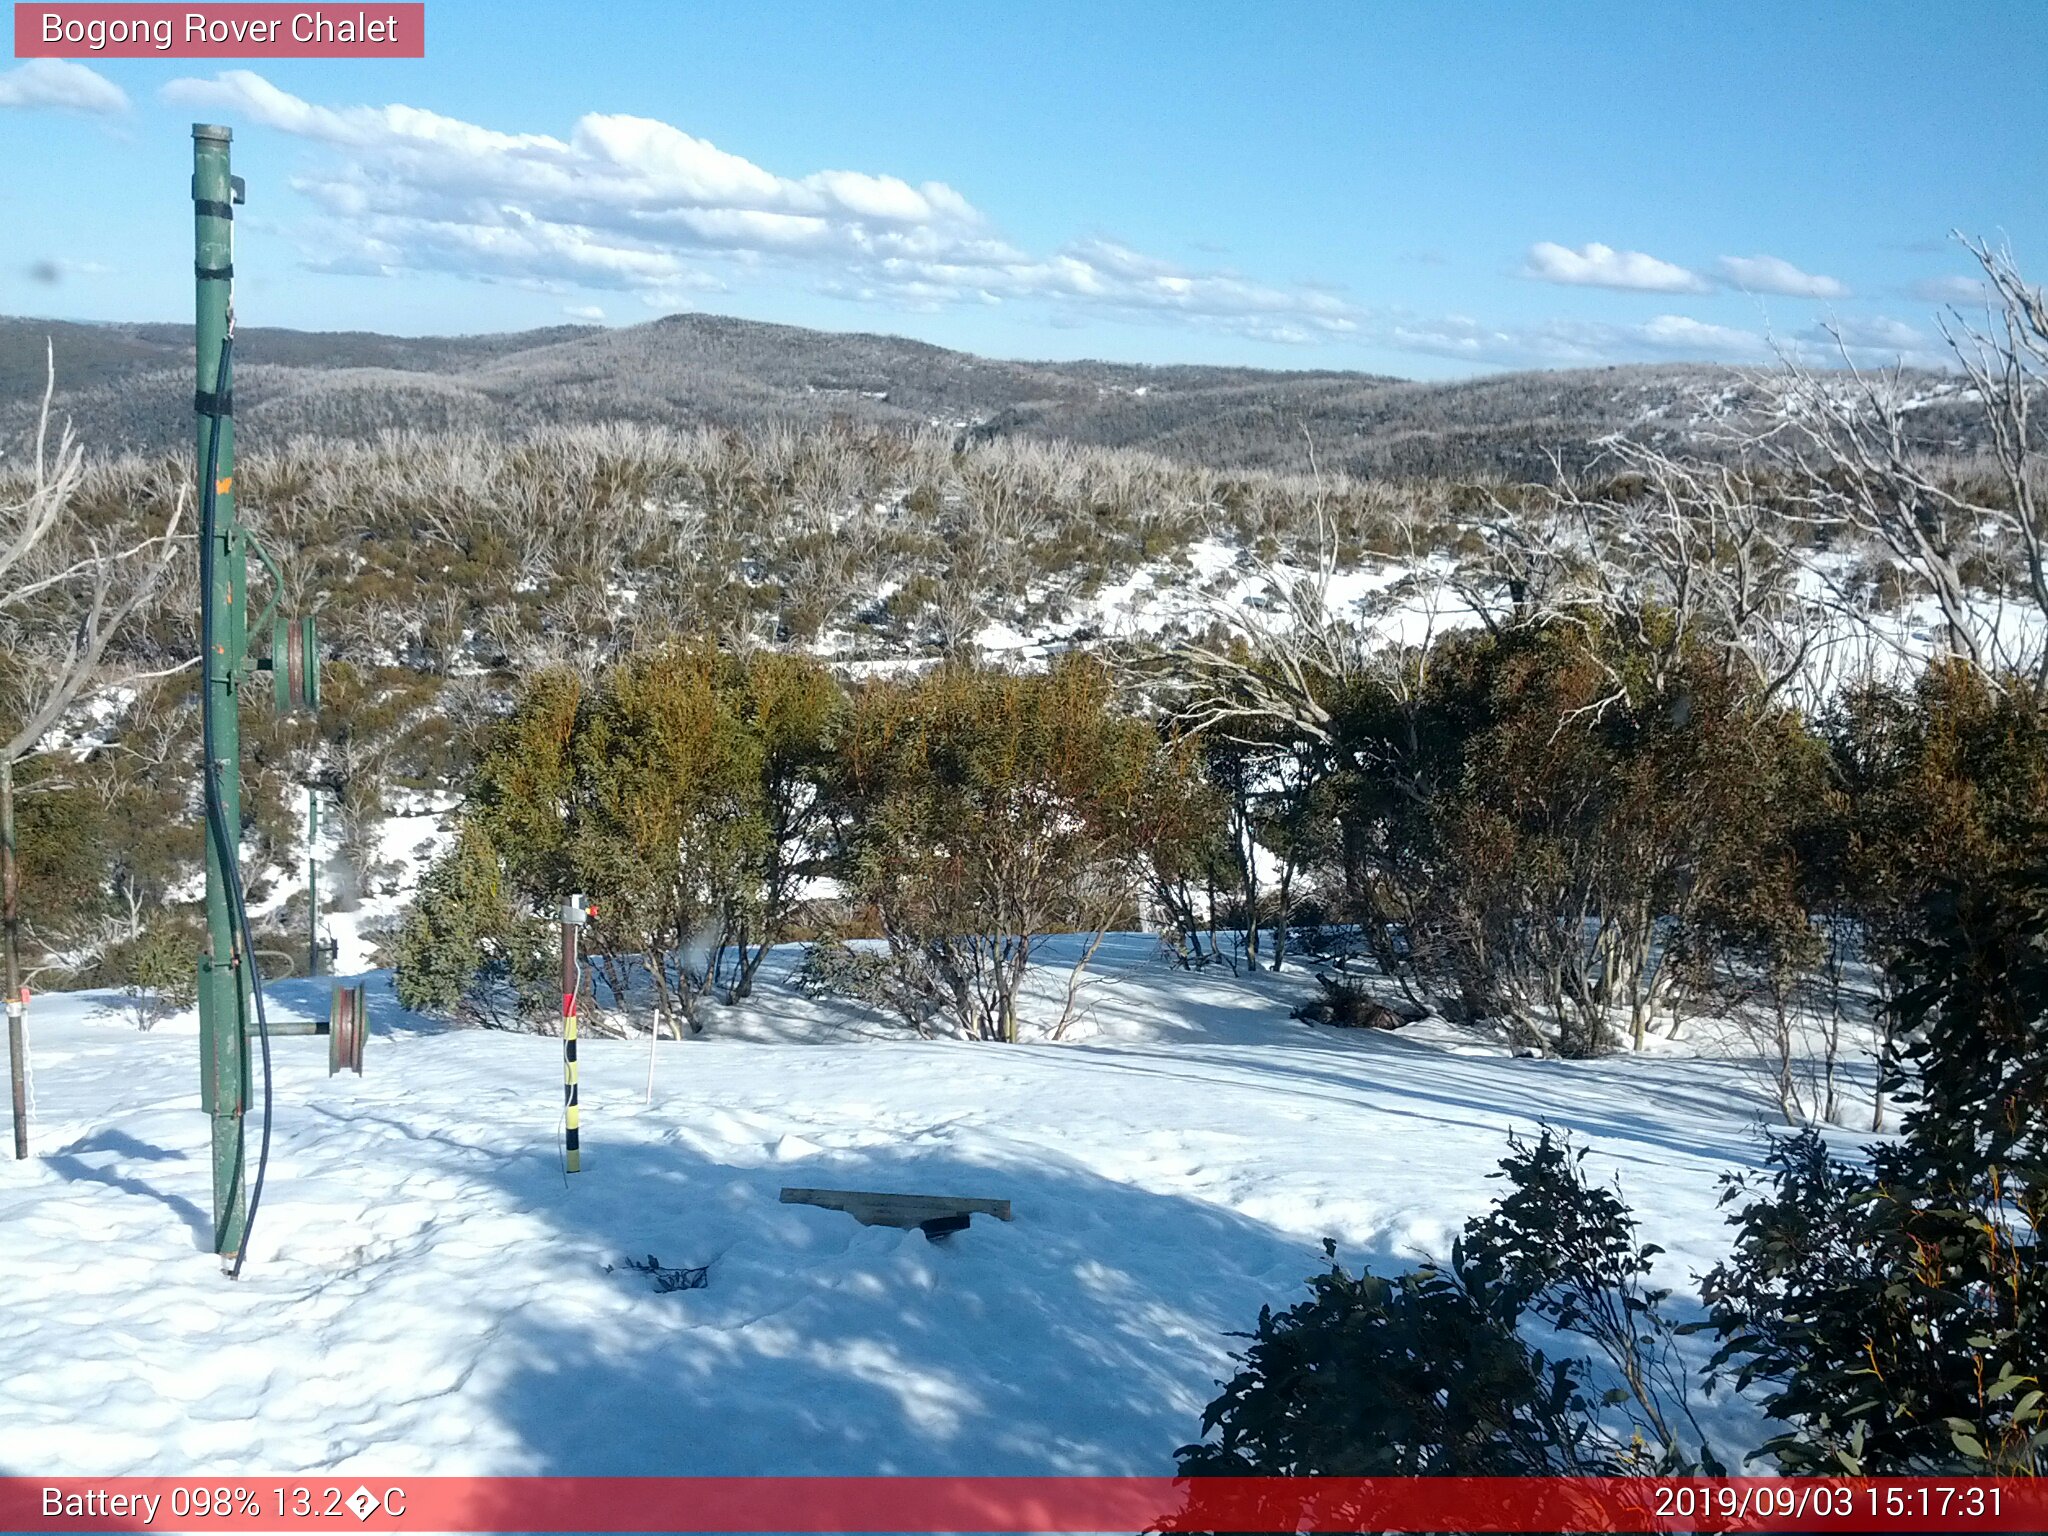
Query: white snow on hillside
408	842
428	1291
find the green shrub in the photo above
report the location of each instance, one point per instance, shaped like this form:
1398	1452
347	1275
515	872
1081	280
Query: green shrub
984	809
1898	1309
1421	1374
157	972
1426	1373
464	951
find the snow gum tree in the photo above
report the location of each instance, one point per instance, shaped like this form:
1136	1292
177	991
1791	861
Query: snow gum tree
670	825
680	790
987	809
1557	818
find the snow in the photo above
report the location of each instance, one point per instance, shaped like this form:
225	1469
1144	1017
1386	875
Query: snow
1213	581
428	1291
409	840
998	638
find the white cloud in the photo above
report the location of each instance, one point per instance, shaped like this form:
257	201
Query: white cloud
1871	338
1873	341
1880	331
1571	343
638	207
61	84
1771	274
634	204
1601	266
1554	344
1954	289
1685	336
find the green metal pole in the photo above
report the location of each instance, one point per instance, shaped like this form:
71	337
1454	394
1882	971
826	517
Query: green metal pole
312	881
223	987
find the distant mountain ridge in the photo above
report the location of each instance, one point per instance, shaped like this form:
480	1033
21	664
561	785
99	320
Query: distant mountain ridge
129	386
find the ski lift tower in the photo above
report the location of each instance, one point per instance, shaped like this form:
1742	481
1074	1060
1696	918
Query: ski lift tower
228	1006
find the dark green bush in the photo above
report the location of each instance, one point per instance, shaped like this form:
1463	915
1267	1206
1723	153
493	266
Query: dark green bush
1898	1310
1426	1373
1419	1374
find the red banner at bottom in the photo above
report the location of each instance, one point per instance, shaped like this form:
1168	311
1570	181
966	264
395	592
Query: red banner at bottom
1019	1504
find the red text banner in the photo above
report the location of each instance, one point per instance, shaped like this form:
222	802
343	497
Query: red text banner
1020	1504
238	31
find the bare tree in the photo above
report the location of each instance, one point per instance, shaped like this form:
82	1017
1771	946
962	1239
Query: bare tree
64	595
1855	451
1678	554
1272	662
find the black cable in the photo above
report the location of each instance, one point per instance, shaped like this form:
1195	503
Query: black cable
226	848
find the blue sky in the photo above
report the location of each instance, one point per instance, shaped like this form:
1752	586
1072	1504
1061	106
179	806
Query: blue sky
1427	190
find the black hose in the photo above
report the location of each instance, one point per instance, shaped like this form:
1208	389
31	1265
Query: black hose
227	848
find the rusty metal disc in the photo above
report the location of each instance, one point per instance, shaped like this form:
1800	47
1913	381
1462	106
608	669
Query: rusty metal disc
348	1025
359	1014
295	665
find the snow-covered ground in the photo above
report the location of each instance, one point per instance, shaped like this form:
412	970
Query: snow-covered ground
429	1291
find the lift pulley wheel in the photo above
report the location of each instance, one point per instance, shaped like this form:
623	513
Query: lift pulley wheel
348	1023
295	665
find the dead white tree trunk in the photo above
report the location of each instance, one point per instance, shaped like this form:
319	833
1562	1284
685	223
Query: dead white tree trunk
1853	451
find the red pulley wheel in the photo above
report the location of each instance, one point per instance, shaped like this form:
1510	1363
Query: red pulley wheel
295	665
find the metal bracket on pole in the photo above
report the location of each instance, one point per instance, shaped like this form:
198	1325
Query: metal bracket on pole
294	659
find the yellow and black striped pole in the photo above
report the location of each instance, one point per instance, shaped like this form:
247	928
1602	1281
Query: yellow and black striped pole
574	915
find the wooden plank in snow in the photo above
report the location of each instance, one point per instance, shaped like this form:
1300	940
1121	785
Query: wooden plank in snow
872	1208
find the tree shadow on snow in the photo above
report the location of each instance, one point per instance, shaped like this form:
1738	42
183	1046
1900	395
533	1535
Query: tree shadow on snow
71	1163
1083	1337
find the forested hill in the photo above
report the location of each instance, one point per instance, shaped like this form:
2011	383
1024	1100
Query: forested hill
129	386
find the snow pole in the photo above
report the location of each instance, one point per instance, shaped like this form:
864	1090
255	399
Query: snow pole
574	915
653	1034
312	880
